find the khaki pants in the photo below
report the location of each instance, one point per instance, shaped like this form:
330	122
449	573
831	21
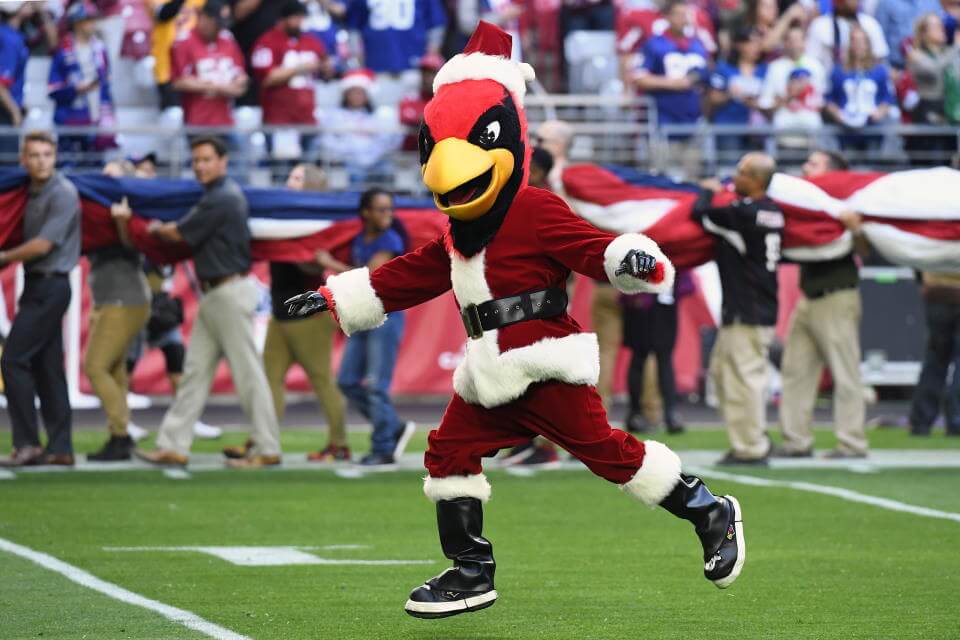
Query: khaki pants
607	318
308	342
223	327
112	328
825	331
738	367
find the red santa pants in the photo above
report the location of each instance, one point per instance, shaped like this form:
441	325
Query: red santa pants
572	416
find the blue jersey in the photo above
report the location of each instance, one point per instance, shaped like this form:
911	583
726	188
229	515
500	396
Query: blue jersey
394	31
664	56
859	93
13	61
361	251
728	78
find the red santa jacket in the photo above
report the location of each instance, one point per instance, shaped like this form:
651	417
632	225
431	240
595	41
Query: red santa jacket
540	242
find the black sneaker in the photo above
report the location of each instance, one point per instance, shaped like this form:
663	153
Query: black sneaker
117	448
541	457
519	453
674	426
779	451
377	460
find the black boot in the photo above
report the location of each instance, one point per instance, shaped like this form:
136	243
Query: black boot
116	448
718	523
468	586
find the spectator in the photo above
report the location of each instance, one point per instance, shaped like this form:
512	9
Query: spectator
304	341
32	360
411	107
324	22
121	307
358	136
369	357
208	70
928	63
13	65
735	86
793	89
674	70
285	62
251	19
764	17
173	20
650	328
79	82
541	164
825	331
941	299
897	18
38	26
217	232
829	35
395	35
749	233
465	15
861	95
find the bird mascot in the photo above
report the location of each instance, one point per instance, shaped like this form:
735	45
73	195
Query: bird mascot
529	369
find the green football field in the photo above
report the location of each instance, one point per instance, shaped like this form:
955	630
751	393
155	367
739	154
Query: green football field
865	551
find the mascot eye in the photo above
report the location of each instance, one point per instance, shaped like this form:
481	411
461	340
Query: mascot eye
491	134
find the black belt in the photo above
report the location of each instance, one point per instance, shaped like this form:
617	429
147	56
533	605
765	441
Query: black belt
825	292
493	314
45	274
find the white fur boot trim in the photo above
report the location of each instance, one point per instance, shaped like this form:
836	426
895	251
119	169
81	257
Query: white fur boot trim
451	487
656	477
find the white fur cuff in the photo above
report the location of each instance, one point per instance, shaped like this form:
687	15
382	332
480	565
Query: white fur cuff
617	250
358	307
656	477
452	487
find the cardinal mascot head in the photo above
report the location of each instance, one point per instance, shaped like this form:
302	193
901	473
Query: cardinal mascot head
473	151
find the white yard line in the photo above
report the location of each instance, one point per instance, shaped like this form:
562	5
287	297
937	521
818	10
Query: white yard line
81	577
836	492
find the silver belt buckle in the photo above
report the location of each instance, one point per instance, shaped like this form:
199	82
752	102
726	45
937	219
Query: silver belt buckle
471	321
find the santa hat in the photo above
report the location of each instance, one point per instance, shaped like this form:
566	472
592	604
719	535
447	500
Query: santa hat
487	57
362	78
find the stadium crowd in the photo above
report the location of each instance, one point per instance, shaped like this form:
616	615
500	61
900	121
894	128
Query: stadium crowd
792	66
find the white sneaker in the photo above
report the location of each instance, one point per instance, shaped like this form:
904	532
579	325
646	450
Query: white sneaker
205	431
409	428
136	432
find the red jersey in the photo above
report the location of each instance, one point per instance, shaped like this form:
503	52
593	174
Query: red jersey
293	102
219	61
635	26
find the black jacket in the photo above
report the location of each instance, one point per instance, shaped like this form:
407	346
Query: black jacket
749	236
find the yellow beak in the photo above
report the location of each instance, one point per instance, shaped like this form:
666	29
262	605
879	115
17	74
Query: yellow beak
453	165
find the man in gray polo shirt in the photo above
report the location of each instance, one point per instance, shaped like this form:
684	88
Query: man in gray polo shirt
32	361
217	232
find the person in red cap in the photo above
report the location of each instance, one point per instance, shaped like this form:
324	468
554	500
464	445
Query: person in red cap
529	369
411	107
286	62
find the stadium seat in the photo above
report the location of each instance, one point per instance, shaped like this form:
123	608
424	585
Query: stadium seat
35	83
591	60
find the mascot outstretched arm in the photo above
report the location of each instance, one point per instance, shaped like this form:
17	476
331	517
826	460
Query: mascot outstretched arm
529	369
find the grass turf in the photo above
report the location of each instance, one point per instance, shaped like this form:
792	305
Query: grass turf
576	559
701	437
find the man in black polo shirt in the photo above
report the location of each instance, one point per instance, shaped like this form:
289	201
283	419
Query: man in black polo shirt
217	232
825	331
749	234
32	361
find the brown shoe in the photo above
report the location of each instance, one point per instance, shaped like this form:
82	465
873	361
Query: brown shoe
238	452
163	457
58	459
23	457
254	462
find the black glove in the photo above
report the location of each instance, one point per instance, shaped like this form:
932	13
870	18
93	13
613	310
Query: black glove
306	304
637	264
